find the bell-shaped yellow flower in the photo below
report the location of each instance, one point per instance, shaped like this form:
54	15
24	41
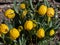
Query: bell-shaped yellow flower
22	6
24	13
4	28
28	25
52	32
42	10
14	34
10	13
50	12
41	33
20	28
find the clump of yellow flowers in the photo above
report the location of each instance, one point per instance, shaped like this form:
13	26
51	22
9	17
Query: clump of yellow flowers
36	22
14	33
44	9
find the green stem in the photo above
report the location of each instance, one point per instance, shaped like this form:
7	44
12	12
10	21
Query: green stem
3	39
44	2
49	19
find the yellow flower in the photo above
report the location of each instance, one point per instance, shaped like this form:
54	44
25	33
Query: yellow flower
20	28
24	13
34	25
52	32
10	13
50	12
4	28
42	10
0	31
22	6
41	33
14	34
28	25
0	35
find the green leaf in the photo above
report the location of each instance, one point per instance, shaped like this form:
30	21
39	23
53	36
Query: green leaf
57	26
19	22
30	1
1	43
44	42
22	40
59	42
3	37
46	3
10	25
8	40
15	7
15	42
56	13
